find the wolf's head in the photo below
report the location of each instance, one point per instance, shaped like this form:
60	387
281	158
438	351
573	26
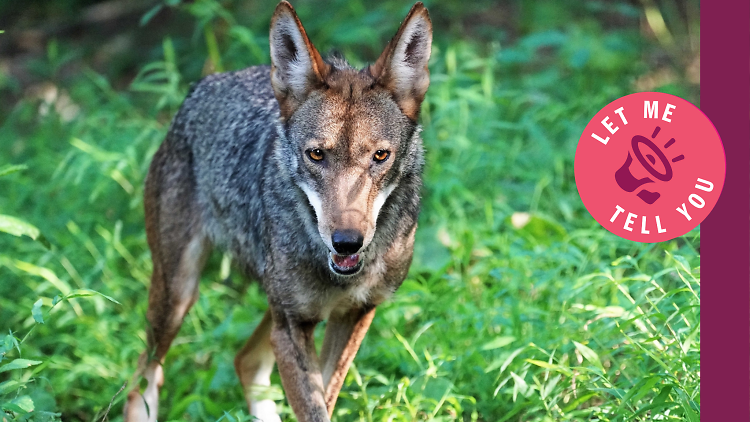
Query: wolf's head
349	135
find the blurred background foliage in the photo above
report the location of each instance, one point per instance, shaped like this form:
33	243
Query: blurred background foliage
519	306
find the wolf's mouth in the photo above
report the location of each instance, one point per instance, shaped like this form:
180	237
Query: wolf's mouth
345	264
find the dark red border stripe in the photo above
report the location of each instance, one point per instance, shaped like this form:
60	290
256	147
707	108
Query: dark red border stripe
725	247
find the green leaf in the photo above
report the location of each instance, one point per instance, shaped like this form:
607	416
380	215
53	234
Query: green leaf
16	227
9	342
7	386
408	348
96	152
36	311
577	402
498	343
589	355
45	273
24	403
550	366
636	393
87	293
520	386
8	169
19	364
549	386
543	229
12	408
150	14
663	394
645	389
504	361
228	417
683	263
685	402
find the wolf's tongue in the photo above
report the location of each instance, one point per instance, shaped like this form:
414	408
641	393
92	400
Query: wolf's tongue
345	261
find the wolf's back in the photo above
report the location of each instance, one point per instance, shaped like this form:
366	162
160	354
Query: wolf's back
227	126
222	109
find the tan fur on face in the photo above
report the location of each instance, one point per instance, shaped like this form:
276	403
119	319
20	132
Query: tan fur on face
349	128
343	116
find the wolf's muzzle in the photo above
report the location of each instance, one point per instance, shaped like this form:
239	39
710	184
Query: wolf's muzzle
346	243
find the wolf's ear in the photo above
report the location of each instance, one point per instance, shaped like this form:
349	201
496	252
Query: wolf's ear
402	67
296	66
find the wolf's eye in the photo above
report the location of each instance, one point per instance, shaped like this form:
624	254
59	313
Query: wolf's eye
315	154
381	155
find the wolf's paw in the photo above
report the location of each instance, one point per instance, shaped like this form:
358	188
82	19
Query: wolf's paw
136	409
265	410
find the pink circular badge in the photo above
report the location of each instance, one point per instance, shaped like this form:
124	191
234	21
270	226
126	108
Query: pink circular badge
650	167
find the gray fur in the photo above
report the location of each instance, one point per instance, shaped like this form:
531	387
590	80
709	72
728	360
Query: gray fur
243	163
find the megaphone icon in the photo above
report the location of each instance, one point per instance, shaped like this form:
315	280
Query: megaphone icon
629	183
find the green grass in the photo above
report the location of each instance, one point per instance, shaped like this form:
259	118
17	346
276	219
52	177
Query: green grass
554	320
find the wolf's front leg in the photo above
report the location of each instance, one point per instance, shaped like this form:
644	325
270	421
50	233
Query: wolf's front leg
344	334
294	346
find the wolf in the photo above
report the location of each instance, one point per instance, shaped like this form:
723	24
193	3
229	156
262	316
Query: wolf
308	173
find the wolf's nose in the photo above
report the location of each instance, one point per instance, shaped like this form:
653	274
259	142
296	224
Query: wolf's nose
347	242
